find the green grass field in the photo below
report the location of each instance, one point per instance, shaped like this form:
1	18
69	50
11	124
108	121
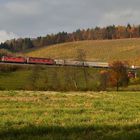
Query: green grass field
49	78
99	50
44	78
69	116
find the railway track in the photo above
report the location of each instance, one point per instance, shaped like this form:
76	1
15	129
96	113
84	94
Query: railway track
31	65
53	65
56	65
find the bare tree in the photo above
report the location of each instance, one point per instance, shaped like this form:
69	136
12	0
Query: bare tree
71	78
104	77
33	77
55	77
81	56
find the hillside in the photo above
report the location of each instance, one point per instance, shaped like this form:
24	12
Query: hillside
102	50
5	52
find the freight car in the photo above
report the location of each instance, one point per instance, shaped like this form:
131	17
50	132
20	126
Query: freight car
59	62
68	62
96	64
74	63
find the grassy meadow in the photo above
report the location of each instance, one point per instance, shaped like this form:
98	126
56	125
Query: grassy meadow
98	50
43	78
72	115
49	78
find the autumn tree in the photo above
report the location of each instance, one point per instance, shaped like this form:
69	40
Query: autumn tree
118	74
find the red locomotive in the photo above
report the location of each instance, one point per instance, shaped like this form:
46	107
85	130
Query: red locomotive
28	60
12	59
35	60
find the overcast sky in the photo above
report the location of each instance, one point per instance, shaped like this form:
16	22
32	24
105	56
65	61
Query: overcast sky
32	18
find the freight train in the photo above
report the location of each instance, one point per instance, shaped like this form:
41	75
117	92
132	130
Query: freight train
48	61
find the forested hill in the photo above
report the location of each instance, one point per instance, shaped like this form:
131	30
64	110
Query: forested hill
109	32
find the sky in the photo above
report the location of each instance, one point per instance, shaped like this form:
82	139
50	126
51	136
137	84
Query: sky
33	18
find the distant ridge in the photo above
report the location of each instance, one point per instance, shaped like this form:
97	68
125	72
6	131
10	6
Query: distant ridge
97	33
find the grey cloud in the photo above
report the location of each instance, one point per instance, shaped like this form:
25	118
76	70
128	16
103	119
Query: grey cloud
38	17
6	36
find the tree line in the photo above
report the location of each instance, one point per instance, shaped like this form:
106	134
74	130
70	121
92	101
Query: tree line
97	33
